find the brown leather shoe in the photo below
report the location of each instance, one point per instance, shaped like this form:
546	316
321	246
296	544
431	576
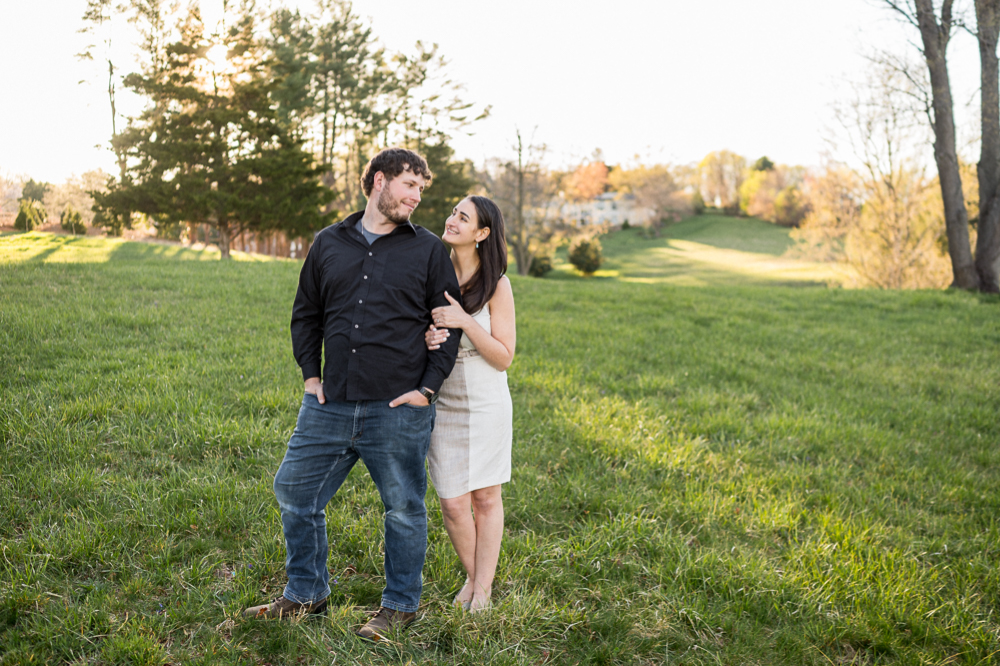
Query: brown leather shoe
283	608
386	620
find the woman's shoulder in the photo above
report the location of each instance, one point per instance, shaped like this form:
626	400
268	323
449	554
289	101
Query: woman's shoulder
503	284
504	295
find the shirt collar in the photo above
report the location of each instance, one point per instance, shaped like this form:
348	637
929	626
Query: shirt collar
351	221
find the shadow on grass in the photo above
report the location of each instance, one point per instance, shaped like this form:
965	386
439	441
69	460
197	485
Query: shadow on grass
143	250
139	251
53	245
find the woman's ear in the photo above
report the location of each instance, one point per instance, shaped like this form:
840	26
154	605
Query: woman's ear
482	234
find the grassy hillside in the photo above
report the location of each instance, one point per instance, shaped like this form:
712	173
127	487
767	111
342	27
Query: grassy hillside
725	474
708	250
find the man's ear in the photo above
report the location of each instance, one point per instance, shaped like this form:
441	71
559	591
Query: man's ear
379	181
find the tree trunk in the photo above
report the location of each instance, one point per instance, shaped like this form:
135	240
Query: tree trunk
935	40
988	240
126	215
520	247
224	239
329	178
123	170
326	121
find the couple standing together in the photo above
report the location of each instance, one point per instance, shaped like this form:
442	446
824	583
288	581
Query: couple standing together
380	295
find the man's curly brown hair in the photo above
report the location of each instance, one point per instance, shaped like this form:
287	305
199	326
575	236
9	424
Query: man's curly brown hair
392	162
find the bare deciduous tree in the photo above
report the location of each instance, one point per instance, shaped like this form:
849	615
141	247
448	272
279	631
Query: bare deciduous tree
836	194
935	35
883	218
722	172
75	193
988	227
99	20
10	191
528	195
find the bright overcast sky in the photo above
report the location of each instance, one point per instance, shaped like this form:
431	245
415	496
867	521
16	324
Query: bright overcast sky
667	80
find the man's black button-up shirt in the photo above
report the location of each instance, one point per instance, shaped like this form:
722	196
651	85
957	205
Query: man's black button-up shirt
370	306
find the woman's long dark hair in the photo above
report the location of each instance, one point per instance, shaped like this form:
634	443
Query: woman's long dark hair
492	257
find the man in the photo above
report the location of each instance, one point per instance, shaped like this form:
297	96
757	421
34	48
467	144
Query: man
366	291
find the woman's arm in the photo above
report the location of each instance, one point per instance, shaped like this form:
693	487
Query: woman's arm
496	347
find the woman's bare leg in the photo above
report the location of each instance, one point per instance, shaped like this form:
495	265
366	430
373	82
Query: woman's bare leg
488	506
458	520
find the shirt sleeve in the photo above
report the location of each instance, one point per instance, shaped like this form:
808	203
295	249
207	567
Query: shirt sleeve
441	278
307	316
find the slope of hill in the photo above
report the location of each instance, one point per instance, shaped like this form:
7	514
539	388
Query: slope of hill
709	250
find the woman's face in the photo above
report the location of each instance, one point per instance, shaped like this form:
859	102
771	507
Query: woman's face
462	226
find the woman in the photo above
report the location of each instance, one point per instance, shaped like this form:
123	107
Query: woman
469	456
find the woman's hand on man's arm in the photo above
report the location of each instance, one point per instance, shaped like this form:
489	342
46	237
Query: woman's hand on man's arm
435	336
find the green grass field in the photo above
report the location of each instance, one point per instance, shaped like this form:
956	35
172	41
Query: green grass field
733	473
708	250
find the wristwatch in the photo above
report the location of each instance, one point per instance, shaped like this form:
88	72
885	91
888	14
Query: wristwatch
431	396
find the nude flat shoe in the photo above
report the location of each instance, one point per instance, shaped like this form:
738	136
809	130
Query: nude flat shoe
456	602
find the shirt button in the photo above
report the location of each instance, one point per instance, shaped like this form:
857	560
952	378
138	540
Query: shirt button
369	254
366	277
355	326
353	350
360	301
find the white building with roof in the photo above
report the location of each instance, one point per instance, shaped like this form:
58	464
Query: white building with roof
610	209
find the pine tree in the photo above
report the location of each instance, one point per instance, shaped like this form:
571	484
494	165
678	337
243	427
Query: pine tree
211	149
30	215
453	181
72	221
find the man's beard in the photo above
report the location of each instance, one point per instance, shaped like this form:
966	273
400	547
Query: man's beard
390	208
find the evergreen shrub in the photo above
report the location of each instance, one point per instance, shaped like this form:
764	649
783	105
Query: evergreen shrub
540	265
586	255
30	215
697	203
72	221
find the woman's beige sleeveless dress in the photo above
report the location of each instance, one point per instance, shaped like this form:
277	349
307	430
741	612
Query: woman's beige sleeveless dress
473	429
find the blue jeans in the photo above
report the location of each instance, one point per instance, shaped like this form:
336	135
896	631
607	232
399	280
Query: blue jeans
328	440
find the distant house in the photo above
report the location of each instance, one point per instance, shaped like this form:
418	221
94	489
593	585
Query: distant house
610	208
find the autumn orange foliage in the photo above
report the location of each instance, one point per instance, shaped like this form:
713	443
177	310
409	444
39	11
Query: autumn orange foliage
588	181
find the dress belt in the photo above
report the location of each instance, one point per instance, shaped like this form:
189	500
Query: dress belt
465	353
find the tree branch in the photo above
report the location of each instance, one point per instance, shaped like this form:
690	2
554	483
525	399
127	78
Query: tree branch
906	12
946	16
